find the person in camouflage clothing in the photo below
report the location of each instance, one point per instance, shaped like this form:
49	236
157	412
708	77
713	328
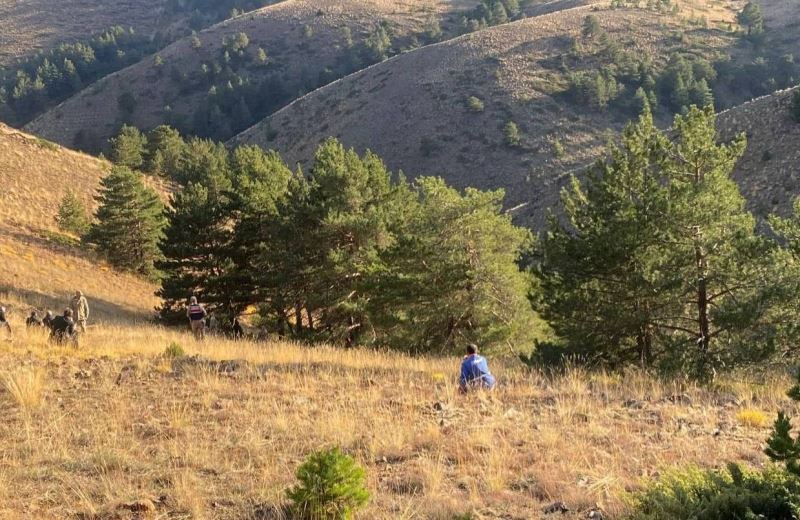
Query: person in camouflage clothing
80	310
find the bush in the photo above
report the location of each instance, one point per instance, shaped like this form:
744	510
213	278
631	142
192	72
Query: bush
475	104
332	487
72	215
512	134
174	350
712	495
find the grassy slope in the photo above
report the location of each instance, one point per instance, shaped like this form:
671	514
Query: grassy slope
91	431
29	25
278	29
37	270
768	172
412	109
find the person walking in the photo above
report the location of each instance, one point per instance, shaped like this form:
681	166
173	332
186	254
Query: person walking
197	318
80	310
33	320
4	325
475	371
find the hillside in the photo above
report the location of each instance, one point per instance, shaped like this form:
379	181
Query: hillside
123	432
413	109
30	25
768	173
305	44
40	268
521	73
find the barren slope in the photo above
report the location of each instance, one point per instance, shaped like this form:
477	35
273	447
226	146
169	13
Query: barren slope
37	269
769	172
301	38
29	25
413	111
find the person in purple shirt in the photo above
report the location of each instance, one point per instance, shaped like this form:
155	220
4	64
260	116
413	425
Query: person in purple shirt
475	371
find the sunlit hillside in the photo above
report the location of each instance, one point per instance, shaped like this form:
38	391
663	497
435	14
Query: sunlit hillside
118	430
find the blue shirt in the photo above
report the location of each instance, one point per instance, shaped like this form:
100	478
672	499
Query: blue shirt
475	372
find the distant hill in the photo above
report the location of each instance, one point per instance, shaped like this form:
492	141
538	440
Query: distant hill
414	110
39	266
304	43
30	25
769	172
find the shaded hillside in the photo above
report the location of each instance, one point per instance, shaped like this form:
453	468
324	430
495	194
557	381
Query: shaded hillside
769	172
39	264
218	83
415	110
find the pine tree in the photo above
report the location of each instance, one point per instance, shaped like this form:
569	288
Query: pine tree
128	148
752	18
72	215
129	221
782	447
512	134
197	240
591	27
659	261
164	153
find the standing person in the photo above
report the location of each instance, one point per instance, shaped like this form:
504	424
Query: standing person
80	310
33	320
238	331
475	371
4	325
197	314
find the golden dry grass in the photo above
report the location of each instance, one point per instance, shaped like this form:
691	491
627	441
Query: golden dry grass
120	426
37	271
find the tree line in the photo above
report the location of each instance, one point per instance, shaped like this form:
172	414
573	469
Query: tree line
348	253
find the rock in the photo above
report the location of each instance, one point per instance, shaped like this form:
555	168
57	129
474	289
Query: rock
634	404
595	514
82	374
138	506
680	399
127	374
556	507
727	400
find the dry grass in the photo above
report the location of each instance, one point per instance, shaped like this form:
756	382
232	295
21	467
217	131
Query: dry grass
117	422
29	25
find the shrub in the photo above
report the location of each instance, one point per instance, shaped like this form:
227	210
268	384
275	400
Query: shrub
512	134
475	104
752	418
332	487
174	350
72	216
712	495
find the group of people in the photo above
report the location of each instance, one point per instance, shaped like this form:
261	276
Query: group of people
63	328
200	321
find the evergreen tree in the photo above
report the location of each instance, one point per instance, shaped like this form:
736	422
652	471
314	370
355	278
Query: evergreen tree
512	134
128	148
72	215
129	221
197	240
165	151
591	27
752	18
659	261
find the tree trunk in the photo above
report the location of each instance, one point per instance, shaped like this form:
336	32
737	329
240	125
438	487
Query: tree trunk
703	322
298	316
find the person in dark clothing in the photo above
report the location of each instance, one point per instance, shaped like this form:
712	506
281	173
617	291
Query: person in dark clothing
4	321
33	320
238	331
47	321
62	329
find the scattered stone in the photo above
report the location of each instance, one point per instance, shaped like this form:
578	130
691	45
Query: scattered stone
680	399
138	506
127	374
82	374
634	404
595	514
727	400
556	507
